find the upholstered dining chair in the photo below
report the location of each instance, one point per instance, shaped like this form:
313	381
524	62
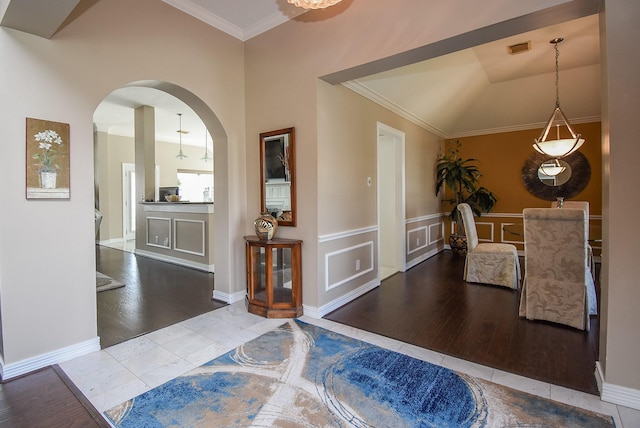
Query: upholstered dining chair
583	205
558	285
488	263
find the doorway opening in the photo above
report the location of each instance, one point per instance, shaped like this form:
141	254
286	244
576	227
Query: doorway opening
391	200
144	293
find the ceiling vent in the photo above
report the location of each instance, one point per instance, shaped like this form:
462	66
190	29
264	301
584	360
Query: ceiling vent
519	48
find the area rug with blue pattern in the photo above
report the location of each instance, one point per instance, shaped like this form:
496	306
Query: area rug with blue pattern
301	375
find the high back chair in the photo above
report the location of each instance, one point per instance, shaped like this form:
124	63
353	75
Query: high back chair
488	263
583	205
558	285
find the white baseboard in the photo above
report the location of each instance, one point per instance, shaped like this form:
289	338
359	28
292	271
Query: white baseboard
318	313
616	394
9	371
238	296
176	261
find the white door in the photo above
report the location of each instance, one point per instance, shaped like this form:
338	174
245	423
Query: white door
128	201
391	201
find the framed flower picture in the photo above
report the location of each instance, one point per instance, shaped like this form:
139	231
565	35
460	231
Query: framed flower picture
47	159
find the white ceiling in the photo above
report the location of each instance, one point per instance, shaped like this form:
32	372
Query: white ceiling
478	90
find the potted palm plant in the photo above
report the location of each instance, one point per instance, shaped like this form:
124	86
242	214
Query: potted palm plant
461	177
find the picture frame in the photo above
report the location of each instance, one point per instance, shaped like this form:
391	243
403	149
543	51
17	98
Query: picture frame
47	159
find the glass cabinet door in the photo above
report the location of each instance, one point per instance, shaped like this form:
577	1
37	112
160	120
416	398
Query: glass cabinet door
274	278
281	275
259	272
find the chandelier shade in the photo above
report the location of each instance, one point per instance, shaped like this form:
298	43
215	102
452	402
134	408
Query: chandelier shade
313	4
552	168
571	141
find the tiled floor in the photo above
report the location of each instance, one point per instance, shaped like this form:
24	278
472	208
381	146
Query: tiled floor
128	246
113	375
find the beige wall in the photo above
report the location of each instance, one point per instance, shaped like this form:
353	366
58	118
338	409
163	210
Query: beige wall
47	253
112	152
620	345
297	53
347	155
282	70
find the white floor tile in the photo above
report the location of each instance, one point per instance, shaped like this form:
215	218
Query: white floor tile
118	394
521	383
103	379
89	363
168	334
131	348
123	371
584	401
467	367
150	360
165	373
381	341
188	344
422	354
629	417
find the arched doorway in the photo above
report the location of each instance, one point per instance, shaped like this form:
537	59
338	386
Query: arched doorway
204	127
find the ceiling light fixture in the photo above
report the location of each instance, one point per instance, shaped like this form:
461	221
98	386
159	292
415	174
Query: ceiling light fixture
313	4
560	147
181	131
206	157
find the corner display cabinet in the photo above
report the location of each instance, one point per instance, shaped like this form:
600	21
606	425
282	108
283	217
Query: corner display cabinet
274	277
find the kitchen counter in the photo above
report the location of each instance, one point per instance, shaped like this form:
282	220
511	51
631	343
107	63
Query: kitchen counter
177	232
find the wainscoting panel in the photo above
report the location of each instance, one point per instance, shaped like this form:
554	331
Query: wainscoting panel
348	264
425	237
485	231
189	236
159	232
417	239
436	233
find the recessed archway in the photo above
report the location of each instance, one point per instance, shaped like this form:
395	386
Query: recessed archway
220	245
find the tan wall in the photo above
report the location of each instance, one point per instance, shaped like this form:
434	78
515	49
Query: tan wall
500	160
282	70
113	151
117	42
501	157
619	344
347	155
48	275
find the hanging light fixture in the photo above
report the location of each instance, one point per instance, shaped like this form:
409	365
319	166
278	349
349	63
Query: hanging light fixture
552	168
560	147
181	155
206	156
313	4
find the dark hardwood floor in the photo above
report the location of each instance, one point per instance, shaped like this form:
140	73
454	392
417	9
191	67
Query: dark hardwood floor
428	306
46	399
432	307
156	295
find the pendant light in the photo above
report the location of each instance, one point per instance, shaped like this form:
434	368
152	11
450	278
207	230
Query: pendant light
560	147
206	156
552	168
313	4
181	155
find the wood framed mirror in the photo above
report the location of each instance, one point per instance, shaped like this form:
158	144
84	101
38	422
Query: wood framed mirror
572	181
278	175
